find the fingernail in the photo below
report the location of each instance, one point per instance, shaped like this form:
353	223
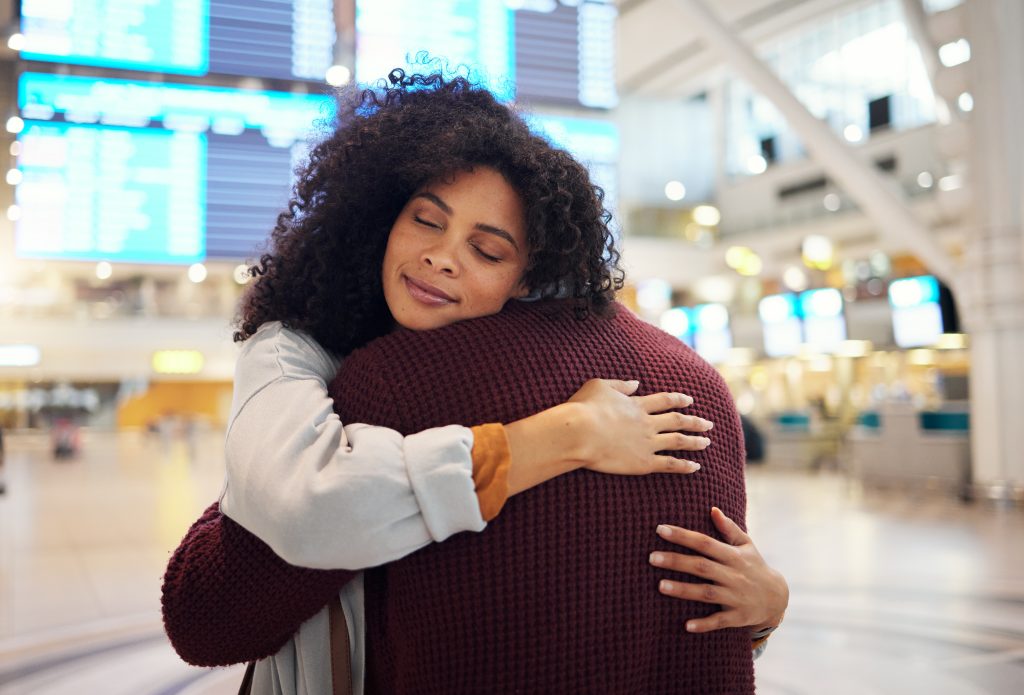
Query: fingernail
707	441
708	424
633	383
664	531
657	558
690	627
686	399
665	585
692	466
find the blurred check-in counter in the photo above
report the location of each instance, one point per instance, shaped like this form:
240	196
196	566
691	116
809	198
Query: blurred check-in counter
900	444
796	439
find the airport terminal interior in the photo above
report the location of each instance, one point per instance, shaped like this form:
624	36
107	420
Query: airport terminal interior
822	198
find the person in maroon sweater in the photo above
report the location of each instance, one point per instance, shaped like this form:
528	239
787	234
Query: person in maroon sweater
556	596
221	531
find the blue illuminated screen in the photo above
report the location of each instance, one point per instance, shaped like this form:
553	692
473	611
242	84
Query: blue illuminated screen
916	311
712	338
814	318
704	327
130	171
595	143
551	52
284	39
824	321
780	320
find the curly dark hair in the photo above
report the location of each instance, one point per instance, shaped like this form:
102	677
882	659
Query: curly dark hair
323	273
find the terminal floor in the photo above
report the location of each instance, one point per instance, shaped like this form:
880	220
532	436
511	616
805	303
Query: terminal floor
892	592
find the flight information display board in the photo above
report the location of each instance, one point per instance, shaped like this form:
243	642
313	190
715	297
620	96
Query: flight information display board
285	39
92	192
546	51
144	172
477	34
594	142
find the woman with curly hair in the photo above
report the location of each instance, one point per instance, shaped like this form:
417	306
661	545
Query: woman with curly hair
429	202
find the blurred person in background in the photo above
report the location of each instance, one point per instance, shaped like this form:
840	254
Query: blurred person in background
753	440
65	438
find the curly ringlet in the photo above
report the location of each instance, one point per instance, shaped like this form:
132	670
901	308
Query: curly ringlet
323	272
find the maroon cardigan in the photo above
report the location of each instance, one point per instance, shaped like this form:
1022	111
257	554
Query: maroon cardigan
557	594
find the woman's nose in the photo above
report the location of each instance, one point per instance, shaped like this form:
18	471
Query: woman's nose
442	257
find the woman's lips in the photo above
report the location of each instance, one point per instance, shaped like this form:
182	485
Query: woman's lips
426	293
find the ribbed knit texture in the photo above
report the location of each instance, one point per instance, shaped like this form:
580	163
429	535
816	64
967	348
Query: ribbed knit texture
557	595
228	598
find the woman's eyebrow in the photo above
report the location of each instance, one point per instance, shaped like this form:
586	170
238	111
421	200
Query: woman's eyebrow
435	200
490	229
498	231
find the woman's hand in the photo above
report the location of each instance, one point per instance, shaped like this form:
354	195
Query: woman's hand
750	592
625	432
606	429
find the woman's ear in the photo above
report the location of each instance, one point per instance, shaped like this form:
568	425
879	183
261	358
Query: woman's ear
522	290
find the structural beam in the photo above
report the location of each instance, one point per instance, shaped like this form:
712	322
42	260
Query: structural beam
860	180
917	25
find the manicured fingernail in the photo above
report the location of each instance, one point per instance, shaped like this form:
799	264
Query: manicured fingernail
664	531
690	626
665	585
708	424
657	558
686	399
691	466
707	441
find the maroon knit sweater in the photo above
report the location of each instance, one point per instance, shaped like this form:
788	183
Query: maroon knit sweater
556	596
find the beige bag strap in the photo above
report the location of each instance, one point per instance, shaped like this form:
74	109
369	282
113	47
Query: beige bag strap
341	655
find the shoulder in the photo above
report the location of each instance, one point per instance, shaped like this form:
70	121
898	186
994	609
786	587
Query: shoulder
278	351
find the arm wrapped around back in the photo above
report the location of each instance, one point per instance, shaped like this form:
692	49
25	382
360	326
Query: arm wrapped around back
227	598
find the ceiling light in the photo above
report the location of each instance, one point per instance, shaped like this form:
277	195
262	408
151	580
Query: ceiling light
675	190
707	215
955	52
756	164
338	75
197	272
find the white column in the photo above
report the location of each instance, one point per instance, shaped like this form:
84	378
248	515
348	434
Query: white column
991	298
859	179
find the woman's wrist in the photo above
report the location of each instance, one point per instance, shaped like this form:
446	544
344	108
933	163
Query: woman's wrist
572	427
546	445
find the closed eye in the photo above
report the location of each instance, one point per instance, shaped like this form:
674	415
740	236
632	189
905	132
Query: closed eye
426	223
487	256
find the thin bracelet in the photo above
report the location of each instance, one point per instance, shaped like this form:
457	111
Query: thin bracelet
761	634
